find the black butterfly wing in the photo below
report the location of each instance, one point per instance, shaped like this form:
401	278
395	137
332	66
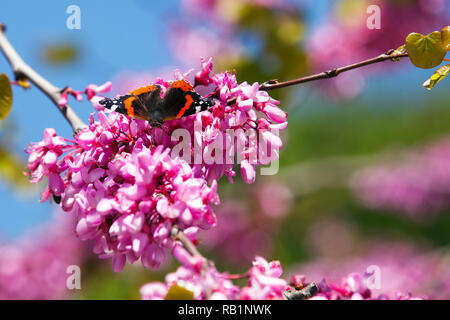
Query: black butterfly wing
145	103
181	100
138	103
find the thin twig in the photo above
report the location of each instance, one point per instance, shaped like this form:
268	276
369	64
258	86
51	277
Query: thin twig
22	71
275	84
237	276
177	234
294	294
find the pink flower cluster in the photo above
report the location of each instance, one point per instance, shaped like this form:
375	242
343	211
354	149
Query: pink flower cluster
354	287
401	267
196	275
203	279
264	283
31	269
419	187
252	114
125	193
118	177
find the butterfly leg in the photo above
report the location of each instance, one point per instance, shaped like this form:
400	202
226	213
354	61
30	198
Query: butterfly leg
156	123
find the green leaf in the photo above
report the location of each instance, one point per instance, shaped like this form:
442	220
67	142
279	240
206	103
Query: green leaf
425	51
5	96
437	76
445	38
177	292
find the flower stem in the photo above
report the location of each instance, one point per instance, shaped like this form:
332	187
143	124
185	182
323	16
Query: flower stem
237	276
177	234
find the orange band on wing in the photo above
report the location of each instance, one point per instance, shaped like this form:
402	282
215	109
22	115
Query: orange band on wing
142	90
182	84
188	103
128	106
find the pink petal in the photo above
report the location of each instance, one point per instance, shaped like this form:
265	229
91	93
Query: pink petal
274	113
248	172
118	262
56	184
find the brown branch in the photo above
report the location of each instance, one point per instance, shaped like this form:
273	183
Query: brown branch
177	234
294	294
275	84
22	71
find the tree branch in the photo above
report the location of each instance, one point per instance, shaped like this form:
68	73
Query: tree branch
294	294
274	84
22	71
177	234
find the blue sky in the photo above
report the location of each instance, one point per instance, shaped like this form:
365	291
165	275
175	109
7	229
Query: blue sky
114	36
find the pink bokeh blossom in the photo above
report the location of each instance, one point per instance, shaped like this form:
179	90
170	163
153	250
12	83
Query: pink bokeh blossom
35	267
402	268
418	187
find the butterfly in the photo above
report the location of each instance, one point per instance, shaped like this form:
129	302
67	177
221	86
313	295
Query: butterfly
146	103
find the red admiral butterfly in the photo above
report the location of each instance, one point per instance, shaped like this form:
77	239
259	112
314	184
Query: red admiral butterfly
146	103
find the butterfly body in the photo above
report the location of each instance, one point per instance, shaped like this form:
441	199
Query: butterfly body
146	103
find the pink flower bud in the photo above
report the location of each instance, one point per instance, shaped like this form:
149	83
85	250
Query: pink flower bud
202	77
274	113
118	262
55	184
248	172
245	105
153	291
50	159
